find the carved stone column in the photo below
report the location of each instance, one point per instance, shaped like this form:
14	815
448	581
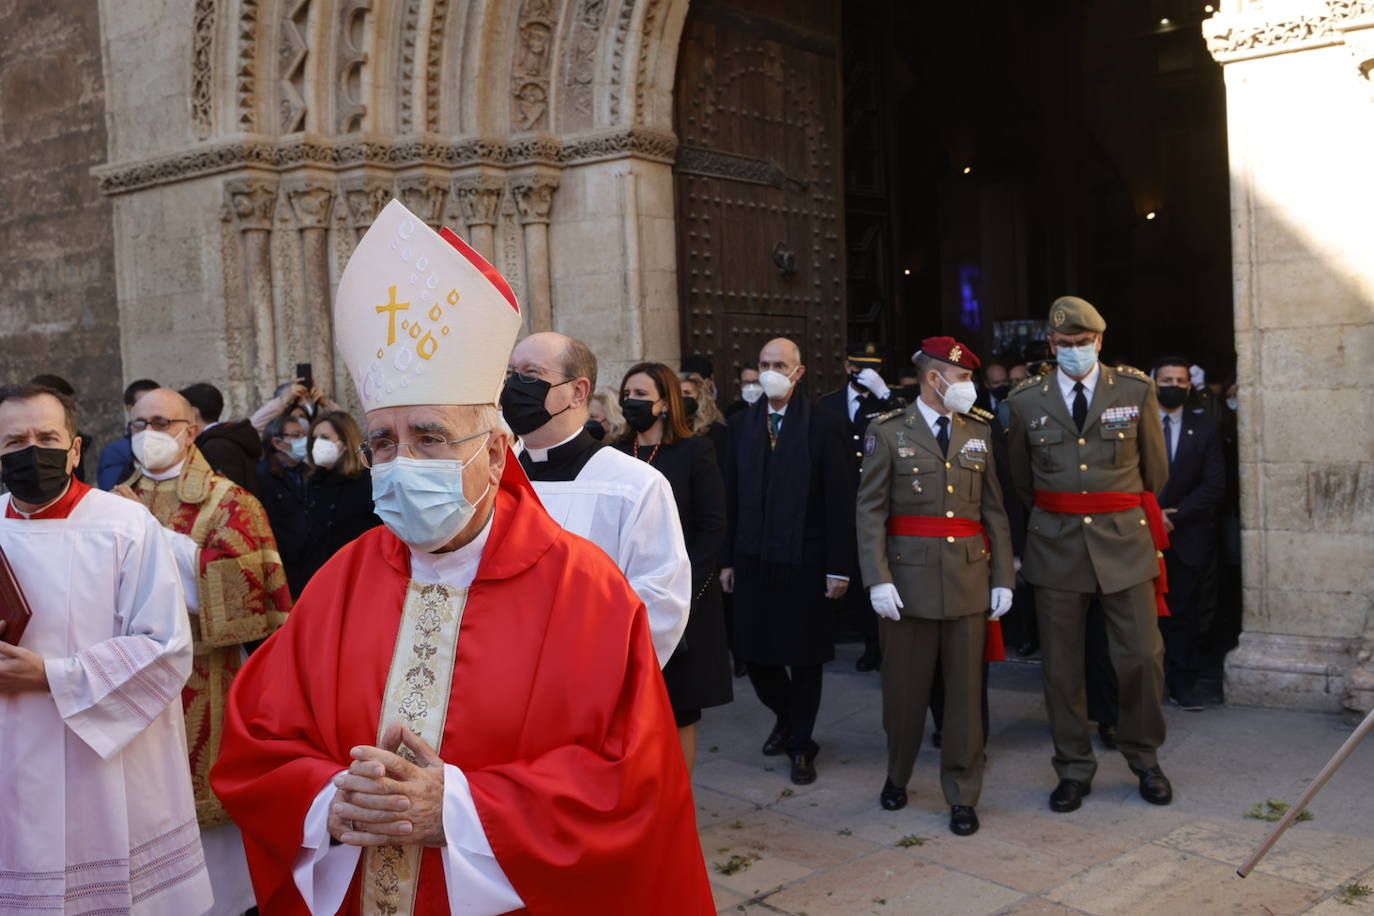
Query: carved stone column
533	195
310	205
479	199
425	196
251	203
364	197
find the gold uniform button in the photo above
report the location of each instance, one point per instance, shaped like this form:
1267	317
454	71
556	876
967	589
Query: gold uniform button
950	488
1087	519
1121	435
949	514
1142	521
1082	467
1082	441
950	539
948	465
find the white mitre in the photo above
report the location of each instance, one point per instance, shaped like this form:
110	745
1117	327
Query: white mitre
421	318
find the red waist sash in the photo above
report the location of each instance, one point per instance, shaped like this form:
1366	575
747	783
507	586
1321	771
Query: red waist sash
1096	503
933	526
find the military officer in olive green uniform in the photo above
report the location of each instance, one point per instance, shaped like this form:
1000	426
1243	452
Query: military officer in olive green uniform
1087	451
933	537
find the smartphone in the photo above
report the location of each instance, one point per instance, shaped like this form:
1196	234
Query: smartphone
303	372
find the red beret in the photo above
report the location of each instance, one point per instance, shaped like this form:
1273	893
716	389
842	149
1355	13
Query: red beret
949	350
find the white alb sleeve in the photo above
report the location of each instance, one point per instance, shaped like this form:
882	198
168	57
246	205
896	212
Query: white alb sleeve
653	556
322	871
477	885
188	566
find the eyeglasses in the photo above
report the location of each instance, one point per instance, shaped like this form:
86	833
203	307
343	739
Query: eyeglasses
381	449
158	424
519	376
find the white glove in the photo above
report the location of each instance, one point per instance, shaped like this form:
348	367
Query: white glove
885	600
1001	602
874	383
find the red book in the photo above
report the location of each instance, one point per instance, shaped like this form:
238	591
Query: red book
14	607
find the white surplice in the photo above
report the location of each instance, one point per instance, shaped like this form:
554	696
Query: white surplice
626	508
96	811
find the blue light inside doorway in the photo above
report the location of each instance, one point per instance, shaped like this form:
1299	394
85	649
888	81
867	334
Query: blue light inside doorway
971	310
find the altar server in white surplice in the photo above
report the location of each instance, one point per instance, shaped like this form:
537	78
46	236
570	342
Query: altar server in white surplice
96	812
618	503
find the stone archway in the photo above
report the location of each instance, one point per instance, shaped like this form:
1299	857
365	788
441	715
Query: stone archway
540	128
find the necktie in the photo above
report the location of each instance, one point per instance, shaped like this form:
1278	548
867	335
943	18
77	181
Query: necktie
774	425
1080	405
942	436
1169	438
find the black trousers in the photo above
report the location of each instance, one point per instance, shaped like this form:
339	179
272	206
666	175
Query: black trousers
794	696
1183	627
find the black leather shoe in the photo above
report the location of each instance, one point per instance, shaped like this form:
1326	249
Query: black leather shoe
777	739
741	669
1107	735
892	798
1154	786
963	820
936	739
1068	795
803	769
871	660
1184	698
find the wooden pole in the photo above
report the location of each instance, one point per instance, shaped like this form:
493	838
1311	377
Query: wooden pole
1331	767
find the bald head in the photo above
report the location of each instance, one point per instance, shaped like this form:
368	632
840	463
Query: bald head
780	357
569	368
780	348
164	410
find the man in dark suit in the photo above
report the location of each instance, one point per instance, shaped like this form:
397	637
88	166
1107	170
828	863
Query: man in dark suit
864	398
1196	487
789	550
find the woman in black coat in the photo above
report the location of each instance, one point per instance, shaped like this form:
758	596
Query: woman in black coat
659	432
338	500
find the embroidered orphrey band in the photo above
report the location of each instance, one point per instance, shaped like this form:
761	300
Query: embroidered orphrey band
417	692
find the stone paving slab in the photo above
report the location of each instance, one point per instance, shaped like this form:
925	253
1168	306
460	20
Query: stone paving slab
829	849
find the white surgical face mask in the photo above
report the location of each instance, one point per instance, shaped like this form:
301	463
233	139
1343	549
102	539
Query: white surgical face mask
156	451
422	501
751	392
325	453
775	384
1077	361
958	396
1232	404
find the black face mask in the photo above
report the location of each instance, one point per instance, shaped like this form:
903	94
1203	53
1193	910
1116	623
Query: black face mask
910	393
1000	392
35	475
639	413
1172	396
689	406
595	430
522	404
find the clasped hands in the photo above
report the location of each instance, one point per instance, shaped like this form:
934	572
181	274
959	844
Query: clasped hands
385	800
888	604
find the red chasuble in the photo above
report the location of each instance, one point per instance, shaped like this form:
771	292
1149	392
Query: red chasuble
558	717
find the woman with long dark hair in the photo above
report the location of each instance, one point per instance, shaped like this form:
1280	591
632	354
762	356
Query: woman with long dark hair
338	505
660	433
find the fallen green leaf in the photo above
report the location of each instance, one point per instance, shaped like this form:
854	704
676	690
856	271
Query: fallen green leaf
910	840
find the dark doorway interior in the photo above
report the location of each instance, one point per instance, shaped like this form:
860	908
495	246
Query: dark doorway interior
1001	153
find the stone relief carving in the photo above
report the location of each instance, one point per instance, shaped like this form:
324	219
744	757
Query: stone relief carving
351	105
245	75
646	48
291	53
202	69
410	38
531	106
579	77
364	197
533	196
122	178
1237	36
434	59
479	199
618	40
530	65
310	202
250	202
425	196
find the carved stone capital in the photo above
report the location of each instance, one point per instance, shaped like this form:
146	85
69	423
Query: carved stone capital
310	202
425	196
479	198
533	196
364	197
250	202
1250	33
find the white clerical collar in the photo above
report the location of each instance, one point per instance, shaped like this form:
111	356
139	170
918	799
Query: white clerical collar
1066	382
781	411
173	471
457	568
540	455
931	415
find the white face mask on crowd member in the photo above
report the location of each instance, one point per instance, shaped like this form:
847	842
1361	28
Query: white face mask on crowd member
156	451
751	392
162	430
957	397
325	453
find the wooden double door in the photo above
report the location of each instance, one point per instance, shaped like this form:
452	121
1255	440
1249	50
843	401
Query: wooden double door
760	202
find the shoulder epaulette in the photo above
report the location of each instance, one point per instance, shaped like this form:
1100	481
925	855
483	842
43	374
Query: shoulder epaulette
982	414
1132	371
1027	383
884	417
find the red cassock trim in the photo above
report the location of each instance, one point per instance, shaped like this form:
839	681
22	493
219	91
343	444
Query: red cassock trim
558	717
933	526
76	491
1098	503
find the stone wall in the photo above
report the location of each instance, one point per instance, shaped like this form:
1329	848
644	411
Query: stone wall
58	281
1301	127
